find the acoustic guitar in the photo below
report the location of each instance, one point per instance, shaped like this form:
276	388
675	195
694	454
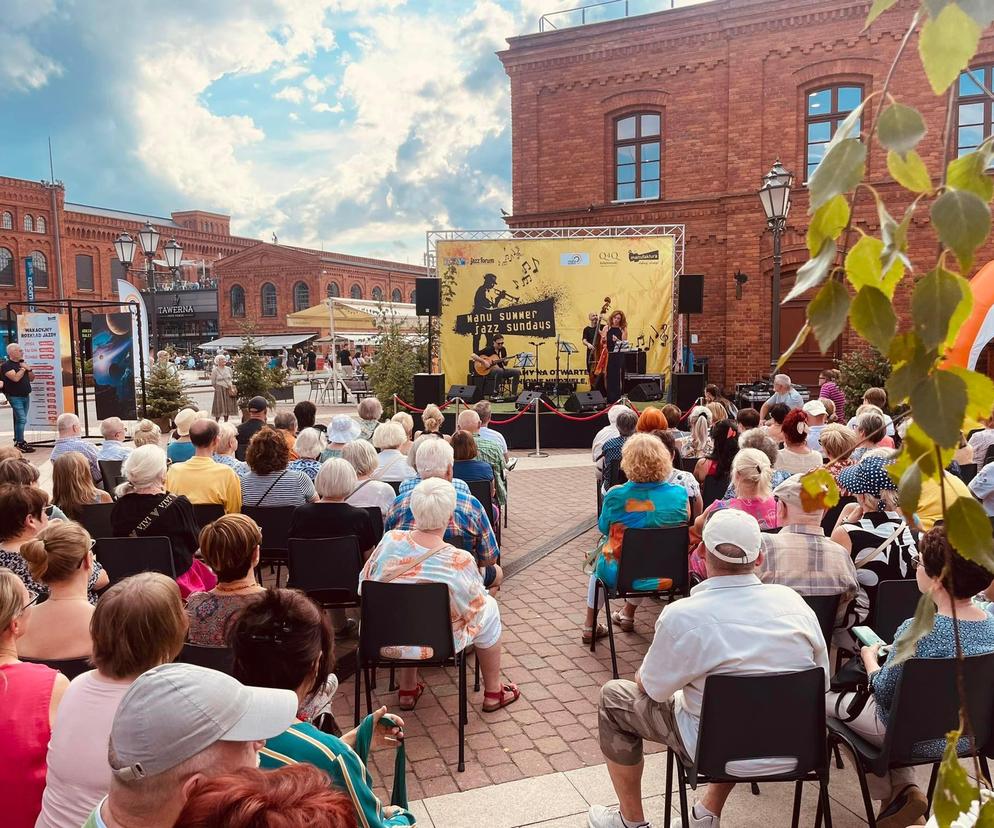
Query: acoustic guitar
487	364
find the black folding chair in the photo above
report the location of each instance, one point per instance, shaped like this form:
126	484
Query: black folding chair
688	464
204	513
480	489
826	608
714	488
988	455
655	554
925	707
409	615
967	471
215	658
786	719
376	517
613	475
274	521
110	472
895	603
95	518
69	667
123	557
831	516
395	485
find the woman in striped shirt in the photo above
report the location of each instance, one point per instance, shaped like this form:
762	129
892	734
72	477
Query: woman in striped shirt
269	482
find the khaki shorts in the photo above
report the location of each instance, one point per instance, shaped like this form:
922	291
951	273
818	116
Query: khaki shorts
627	716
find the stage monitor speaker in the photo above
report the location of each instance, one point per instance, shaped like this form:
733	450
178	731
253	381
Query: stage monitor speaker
428	389
585	401
427	296
526	399
467	393
691	294
646	392
687	389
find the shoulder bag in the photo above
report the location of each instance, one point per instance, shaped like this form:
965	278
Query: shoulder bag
145	522
266	493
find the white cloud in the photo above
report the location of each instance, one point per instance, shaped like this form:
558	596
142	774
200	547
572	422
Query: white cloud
323	107
23	67
294	94
290	72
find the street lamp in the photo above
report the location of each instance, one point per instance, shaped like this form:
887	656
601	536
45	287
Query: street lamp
775	198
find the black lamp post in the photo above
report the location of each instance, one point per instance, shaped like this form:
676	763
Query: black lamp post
148	237
775	198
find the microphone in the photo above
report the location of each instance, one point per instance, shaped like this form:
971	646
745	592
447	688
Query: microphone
536	344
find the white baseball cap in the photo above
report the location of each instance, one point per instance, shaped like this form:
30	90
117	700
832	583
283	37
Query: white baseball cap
737	528
816	408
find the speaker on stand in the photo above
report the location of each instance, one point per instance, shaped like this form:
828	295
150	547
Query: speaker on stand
428	302
690	300
429	389
526	399
687	389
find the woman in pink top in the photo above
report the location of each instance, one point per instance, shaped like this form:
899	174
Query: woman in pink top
138	624
29	697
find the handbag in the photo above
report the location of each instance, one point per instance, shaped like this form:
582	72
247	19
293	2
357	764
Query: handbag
232	391
851	678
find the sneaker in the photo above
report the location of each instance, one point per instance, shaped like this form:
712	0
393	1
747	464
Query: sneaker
24	448
511	464
709	821
908	808
600	817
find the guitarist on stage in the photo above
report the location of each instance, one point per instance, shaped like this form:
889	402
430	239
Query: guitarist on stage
494	356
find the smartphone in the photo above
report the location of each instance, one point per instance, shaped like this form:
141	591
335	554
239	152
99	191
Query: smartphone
866	636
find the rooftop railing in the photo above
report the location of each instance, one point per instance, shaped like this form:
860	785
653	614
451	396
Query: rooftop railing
606	10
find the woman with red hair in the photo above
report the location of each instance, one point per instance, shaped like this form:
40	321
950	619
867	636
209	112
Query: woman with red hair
796	456
650	420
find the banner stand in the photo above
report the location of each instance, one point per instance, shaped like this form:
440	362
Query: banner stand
538	449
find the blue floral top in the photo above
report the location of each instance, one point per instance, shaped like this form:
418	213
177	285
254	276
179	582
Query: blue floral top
307	466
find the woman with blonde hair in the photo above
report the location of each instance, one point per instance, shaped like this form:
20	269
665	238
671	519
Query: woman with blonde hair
717	410
61	558
225	394
698	444
146	433
645	501
361	455
407	423
837	443
392	466
433	420
309	444
72	485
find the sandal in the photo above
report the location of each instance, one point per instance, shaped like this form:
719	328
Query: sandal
601	632
411	697
625	624
508	689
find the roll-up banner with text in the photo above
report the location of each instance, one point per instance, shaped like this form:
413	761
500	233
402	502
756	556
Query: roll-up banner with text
533	290
113	366
45	340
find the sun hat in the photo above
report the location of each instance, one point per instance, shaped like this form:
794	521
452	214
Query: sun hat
734	527
869	476
175	711
789	490
815	408
258	404
184	419
343	429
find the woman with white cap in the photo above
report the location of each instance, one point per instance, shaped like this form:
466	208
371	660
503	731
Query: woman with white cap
181	449
344	429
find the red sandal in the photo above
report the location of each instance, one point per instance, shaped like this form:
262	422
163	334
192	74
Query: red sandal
411	697
506	690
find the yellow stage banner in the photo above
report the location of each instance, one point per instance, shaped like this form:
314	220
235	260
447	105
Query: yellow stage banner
535	290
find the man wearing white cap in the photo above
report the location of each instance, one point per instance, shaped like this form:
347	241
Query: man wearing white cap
817	415
731	624
176	725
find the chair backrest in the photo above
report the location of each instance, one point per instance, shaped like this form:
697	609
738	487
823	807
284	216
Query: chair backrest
122	557
688	464
204	513
405	615
216	658
826	608
714	489
480	489
110	471
753	717
831	516
967	471
69	667
327	569
989	455
895	603
395	484
613	474
654	554
274	521
376	518
926	704
95	518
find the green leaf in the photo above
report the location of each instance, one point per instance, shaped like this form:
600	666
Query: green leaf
946	45
986	817
980	10
953	791
979	391
934	302
909	490
921	450
814	271
900	128
969	530
909	372
894	236
921	625
840	171
939	405
872	315
969	173
818	491
849	127
799	340
962	221
909	171
827	313
864	268
828	222
877	9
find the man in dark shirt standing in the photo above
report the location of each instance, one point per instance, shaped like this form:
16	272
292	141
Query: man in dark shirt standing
589	334
257	410
500	370
17	386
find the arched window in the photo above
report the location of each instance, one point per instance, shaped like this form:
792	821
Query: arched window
637	141
355	292
268	299
6	220
40	224
301	296
40	268
826	109
377	294
237	296
414	296
333	290
29	224
6	267
396	295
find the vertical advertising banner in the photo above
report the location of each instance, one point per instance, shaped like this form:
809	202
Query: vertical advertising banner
45	340
128	293
113	366
535	290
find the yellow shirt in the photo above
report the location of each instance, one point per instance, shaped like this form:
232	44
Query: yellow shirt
930	502
204	481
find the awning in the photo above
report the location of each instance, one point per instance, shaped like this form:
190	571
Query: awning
353	316
274	342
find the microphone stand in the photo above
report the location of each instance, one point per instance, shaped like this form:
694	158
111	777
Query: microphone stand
558	400
536	345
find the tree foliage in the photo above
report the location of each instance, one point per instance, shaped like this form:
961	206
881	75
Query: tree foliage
164	391
861	369
251	376
399	356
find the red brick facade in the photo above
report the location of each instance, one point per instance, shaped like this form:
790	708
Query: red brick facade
730	79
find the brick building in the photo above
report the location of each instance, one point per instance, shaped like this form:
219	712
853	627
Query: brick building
674	117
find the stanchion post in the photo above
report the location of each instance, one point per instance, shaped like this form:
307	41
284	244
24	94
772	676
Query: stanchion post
394	405
538	449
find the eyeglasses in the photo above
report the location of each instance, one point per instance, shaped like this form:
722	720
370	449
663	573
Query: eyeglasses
30	603
50	510
916	560
89	552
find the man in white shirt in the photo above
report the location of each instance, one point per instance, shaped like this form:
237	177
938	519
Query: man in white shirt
817	415
113	431
601	437
485	411
731	624
783	392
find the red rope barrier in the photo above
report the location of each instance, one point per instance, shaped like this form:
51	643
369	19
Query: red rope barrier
410	407
517	416
555	410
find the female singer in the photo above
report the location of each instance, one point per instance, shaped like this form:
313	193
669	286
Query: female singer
617	331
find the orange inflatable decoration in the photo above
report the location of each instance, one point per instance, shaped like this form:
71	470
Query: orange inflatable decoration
978	329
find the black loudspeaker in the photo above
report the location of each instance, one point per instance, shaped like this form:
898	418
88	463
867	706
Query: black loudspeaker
429	388
646	392
584	401
428	296
527	400
467	393
691	294
687	388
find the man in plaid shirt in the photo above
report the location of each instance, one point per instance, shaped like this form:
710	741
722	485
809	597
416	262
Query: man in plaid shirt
487	451
469	528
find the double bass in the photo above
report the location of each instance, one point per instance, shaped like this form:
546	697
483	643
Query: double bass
598	365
